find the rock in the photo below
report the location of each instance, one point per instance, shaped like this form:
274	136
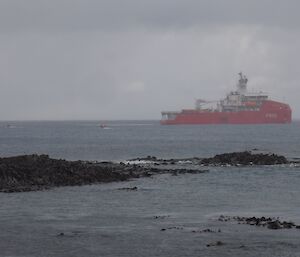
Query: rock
147	174
148	158
161	216
274	225
207	230
270	223
217	243
226	159
170	228
288	224
129	188
39	172
244	158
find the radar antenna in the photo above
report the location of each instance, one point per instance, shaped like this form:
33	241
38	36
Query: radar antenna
242	84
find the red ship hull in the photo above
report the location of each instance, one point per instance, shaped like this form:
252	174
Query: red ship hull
269	112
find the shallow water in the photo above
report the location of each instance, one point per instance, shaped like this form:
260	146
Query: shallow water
101	220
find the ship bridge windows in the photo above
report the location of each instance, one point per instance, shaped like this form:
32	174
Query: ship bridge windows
255	97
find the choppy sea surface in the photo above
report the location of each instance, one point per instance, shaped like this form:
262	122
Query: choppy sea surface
101	220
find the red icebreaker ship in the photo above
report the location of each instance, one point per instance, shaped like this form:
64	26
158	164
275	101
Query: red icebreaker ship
239	107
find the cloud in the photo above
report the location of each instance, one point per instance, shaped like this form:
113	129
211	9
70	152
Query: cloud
82	15
135	87
90	59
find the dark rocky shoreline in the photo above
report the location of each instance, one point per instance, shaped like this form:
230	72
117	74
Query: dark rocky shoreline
246	158
40	172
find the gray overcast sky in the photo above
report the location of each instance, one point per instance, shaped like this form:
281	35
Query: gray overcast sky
131	59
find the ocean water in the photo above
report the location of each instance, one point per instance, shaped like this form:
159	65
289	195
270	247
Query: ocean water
122	140
101	220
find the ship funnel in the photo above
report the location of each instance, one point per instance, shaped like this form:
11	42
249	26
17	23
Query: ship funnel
242	84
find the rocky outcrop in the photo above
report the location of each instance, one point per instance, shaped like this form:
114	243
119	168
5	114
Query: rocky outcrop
217	243
270	223
38	172
234	158
245	158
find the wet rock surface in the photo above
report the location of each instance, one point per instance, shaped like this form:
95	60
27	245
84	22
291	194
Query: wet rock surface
268	222
157	161
207	230
129	188
161	216
40	172
170	228
37	172
199	231
217	243
245	158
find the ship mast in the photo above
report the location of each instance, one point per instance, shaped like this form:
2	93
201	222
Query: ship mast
242	84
